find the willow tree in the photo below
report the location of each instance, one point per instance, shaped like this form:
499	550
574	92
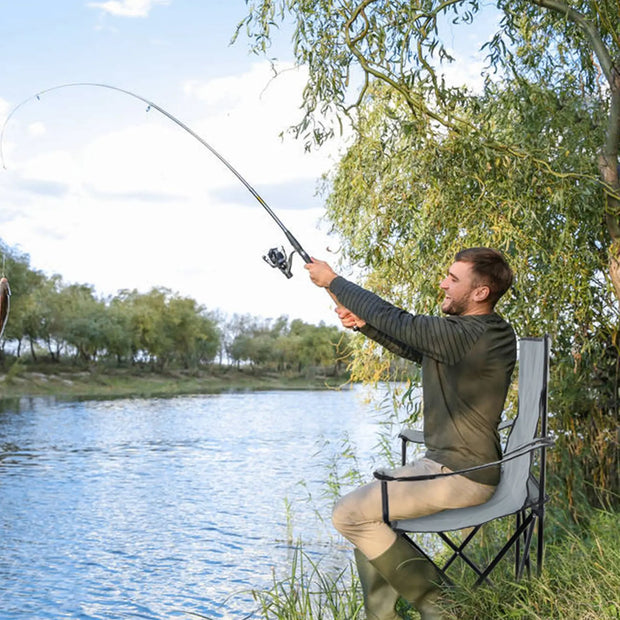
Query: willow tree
528	165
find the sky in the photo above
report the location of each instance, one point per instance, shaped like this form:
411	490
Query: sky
104	191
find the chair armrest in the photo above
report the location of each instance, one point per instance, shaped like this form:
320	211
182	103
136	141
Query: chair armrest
412	435
540	442
536	444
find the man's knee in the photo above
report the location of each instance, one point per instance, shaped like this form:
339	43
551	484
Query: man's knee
341	516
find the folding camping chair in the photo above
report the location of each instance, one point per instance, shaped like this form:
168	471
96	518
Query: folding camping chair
521	490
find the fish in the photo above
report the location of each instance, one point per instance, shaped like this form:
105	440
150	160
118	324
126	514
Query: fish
5	303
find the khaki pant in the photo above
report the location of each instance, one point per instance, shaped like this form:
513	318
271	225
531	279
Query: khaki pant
358	515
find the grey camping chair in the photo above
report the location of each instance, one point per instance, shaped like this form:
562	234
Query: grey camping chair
521	490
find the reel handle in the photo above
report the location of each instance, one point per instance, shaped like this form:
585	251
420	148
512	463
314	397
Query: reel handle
276	258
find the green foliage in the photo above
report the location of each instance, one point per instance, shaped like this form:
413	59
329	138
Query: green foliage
166	328
584	404
160	328
284	346
348	46
529	166
404	202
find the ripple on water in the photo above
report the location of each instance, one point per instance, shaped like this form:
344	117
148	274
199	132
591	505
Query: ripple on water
166	507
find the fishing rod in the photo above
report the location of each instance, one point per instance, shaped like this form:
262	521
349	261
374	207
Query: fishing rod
275	257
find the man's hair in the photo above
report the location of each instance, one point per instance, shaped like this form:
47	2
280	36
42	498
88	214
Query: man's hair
490	268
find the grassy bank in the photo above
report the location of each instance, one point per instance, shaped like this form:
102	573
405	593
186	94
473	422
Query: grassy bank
580	581
66	381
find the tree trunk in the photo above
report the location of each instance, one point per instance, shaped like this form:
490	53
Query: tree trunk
614	267
609	168
34	355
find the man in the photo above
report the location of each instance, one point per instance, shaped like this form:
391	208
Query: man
467	360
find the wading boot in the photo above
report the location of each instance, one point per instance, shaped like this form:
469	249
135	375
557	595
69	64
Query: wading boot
379	596
413	576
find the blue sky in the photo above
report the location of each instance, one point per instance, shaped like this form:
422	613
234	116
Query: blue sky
103	192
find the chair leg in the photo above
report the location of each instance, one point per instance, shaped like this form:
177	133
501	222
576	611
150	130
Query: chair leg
517	544
505	548
525	557
540	542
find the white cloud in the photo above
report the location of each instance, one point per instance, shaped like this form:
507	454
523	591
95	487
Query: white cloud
58	166
128	8
143	205
246	115
465	71
36	129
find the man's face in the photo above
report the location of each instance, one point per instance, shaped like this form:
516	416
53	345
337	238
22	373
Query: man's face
459	289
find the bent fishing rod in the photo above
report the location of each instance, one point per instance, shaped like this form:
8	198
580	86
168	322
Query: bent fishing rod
275	257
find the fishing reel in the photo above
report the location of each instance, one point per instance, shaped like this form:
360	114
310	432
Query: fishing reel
276	258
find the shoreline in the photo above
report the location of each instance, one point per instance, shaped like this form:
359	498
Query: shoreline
67	383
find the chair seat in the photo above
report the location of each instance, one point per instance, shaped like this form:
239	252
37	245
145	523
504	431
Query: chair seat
505	501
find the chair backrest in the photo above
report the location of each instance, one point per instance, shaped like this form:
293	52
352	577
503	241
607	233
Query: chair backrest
532	412
533	377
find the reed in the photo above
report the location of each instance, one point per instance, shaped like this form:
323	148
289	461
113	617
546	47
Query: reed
580	581
310	592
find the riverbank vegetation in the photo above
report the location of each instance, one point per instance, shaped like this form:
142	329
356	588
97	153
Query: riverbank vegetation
68	382
63	338
580	581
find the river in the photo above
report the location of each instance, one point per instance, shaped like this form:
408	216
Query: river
170	508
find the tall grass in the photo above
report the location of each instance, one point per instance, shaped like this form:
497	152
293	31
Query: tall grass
311	593
580	581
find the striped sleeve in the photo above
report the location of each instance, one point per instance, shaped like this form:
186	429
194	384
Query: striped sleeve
446	340
398	348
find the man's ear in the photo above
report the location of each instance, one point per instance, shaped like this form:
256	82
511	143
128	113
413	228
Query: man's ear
481	293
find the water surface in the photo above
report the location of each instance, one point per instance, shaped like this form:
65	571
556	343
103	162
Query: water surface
164	508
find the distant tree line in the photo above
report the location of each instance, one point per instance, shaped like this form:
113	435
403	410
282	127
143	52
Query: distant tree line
51	319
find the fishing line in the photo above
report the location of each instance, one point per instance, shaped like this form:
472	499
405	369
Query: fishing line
275	257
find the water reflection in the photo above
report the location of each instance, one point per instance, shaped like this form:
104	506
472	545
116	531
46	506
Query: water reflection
159	508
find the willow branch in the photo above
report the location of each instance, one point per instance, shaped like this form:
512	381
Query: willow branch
598	45
608	159
455	123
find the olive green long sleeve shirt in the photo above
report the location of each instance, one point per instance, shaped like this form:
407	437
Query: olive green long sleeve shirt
467	363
